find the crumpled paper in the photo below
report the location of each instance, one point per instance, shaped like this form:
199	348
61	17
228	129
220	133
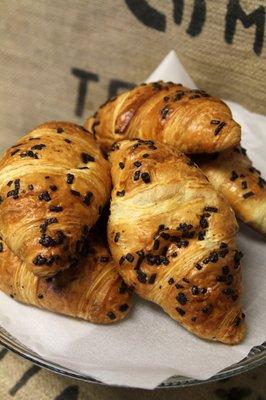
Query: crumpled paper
148	347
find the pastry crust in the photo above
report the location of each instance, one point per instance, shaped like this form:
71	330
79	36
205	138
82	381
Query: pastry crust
173	237
232	173
93	291
54	184
191	120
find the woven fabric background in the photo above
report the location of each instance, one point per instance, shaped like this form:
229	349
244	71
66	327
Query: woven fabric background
21	380
61	58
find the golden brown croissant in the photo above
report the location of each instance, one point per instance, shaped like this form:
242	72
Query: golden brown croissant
232	173
93	291
191	120
54	183
173	236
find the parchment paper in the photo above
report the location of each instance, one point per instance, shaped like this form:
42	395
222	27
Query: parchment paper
148	347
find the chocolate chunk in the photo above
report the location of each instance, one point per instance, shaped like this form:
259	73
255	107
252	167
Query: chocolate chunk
39	260
47	241
117	236
180	311
30	154
219	128
87	158
211	209
142	277
244	185
87	198
44	196
237	257
56	208
165	112
120	193
13	193
145	176
129	257
136	175
38	147
195	290
74	192
152	279
248	194
70	178
111	315
213	257
181	298
234	176
123	307
203	223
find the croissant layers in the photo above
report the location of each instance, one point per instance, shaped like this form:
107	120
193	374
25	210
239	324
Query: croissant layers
173	237
232	173
93	291
54	184
191	120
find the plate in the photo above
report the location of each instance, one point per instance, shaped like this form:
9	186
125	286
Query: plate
255	358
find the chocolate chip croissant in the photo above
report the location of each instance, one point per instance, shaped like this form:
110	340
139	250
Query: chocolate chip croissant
54	184
191	120
232	173
173	236
93	290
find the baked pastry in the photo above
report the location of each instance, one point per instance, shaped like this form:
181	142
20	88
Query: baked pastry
54	184
173	237
191	120
232	173
93	291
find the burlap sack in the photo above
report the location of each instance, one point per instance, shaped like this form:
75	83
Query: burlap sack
61	58
20	380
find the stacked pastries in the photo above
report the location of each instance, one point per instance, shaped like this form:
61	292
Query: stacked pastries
194	122
171	232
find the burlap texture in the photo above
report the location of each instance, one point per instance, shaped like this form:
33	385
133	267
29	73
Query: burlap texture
20	380
45	44
61	59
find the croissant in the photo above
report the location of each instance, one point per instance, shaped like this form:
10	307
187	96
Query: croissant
54	184
92	291
232	173
191	120
173	237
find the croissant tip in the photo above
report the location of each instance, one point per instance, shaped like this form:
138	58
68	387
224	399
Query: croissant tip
234	335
